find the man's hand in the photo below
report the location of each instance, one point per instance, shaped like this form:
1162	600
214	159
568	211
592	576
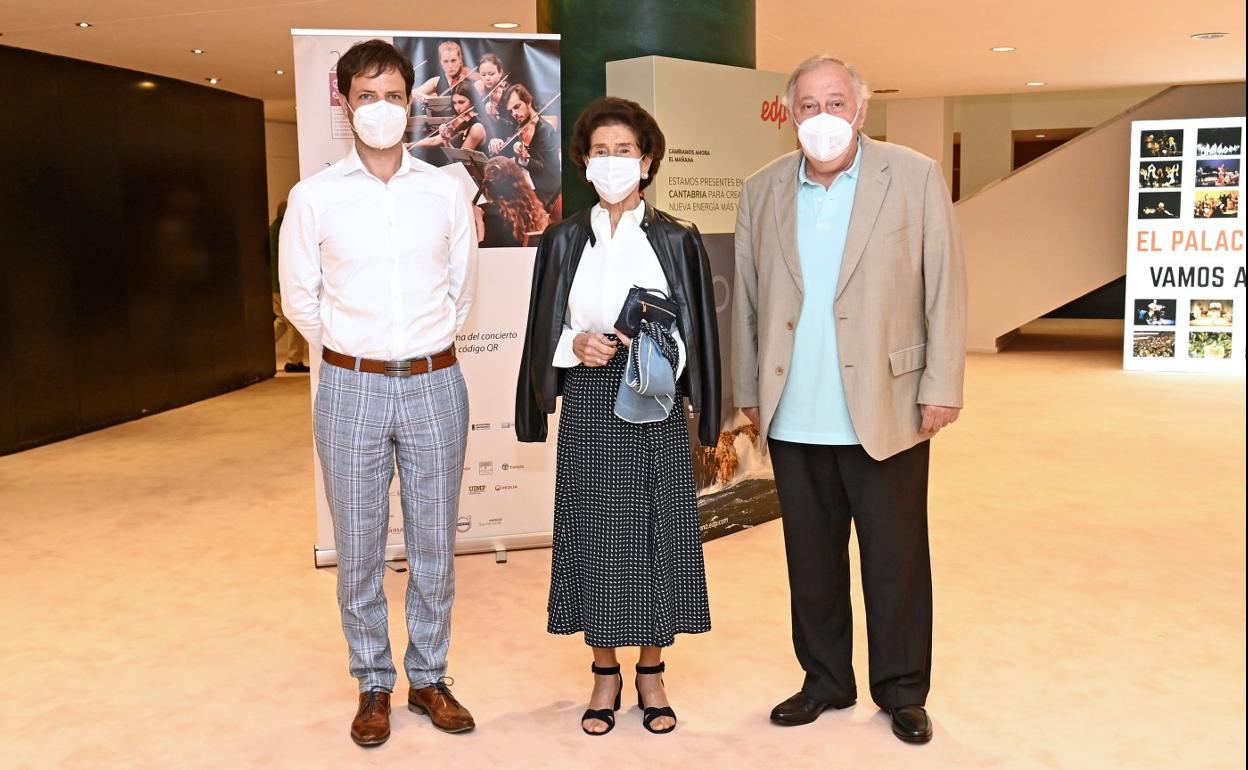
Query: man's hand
751	412
936	417
593	349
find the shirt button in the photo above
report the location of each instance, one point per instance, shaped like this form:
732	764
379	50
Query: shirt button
779	370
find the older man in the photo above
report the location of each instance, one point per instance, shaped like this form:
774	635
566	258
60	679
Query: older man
848	340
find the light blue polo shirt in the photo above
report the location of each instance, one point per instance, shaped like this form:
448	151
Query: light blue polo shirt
813	409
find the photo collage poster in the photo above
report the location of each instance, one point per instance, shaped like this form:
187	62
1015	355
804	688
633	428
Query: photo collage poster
1185	247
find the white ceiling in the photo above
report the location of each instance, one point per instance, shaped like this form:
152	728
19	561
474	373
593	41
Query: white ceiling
922	47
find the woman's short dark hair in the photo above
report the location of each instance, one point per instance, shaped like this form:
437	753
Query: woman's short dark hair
612	111
371	58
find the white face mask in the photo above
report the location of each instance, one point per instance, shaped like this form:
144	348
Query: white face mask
381	125
825	137
614	178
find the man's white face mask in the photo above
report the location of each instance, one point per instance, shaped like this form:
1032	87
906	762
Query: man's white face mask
825	137
380	124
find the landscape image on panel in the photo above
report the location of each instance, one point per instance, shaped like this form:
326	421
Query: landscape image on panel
1212	142
1153	345
1164	205
1159	143
1223	172
1212	312
1216	204
1161	173
1209	345
1155	312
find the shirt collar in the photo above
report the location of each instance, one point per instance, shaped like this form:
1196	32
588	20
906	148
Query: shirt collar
636	215
851	172
353	163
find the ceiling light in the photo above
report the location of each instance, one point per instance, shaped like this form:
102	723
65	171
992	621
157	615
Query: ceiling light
213	81
1003	48
505	25
1208	35
84	24
146	85
279	72
1034	83
886	91
1041	136
197	51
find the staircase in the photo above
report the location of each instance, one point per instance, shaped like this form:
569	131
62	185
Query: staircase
1055	229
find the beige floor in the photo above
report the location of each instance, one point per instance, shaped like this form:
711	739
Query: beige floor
161	609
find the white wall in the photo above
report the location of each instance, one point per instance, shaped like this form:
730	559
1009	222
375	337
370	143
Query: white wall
281	150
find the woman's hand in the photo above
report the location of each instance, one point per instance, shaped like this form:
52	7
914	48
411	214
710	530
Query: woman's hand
593	349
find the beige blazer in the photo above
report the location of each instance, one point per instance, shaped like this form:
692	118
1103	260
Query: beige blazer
900	300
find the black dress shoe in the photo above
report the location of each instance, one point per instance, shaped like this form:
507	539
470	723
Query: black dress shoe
911	724
296	369
802	709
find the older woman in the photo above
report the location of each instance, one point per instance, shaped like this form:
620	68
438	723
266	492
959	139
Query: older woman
627	563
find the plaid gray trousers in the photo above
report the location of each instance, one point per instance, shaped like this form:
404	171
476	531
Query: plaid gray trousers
364	424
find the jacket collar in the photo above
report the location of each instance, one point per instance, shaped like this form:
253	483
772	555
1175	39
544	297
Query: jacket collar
873	180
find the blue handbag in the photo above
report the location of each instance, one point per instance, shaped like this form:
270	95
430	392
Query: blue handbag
648	388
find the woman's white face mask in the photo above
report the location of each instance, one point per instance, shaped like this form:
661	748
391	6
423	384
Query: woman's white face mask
613	177
825	137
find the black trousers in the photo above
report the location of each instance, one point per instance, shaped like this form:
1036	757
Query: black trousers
822	489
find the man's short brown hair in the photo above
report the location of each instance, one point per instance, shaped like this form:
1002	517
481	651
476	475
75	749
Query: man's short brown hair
612	111
371	58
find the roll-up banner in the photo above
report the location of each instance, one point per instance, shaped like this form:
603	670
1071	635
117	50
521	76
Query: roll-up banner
1185	247
469	88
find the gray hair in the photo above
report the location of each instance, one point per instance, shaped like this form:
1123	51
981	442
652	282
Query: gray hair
815	62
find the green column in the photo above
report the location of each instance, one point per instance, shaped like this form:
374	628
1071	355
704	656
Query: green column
598	31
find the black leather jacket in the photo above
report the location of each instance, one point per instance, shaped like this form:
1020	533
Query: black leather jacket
679	248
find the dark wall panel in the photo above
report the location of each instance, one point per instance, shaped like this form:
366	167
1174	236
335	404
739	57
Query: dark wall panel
132	268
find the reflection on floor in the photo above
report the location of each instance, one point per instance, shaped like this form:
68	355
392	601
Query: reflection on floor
162	610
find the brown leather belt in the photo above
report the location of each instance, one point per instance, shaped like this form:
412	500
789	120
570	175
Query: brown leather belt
404	368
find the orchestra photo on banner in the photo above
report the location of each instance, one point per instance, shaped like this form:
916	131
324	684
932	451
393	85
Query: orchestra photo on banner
492	105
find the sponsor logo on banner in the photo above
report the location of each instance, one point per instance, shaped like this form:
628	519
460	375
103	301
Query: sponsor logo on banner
463	523
485	467
512	467
506	425
505	487
476	489
774	111
481	426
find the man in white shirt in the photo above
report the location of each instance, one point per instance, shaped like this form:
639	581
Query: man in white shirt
378	263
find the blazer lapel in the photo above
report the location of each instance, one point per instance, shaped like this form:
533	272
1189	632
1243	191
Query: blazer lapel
873	180
784	203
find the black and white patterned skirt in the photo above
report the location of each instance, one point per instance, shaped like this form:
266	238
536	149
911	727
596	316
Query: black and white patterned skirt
627	564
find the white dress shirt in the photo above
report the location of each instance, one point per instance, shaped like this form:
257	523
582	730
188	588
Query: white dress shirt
609	267
374	269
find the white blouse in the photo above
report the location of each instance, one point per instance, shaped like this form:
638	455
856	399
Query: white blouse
610	266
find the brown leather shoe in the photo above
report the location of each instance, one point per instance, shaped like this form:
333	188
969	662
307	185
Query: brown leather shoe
371	726
444	711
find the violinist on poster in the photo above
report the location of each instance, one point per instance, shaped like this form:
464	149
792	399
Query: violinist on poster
451	58
465	129
534	145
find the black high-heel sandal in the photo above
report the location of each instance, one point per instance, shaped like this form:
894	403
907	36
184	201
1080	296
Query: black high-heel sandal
606	716
651	713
